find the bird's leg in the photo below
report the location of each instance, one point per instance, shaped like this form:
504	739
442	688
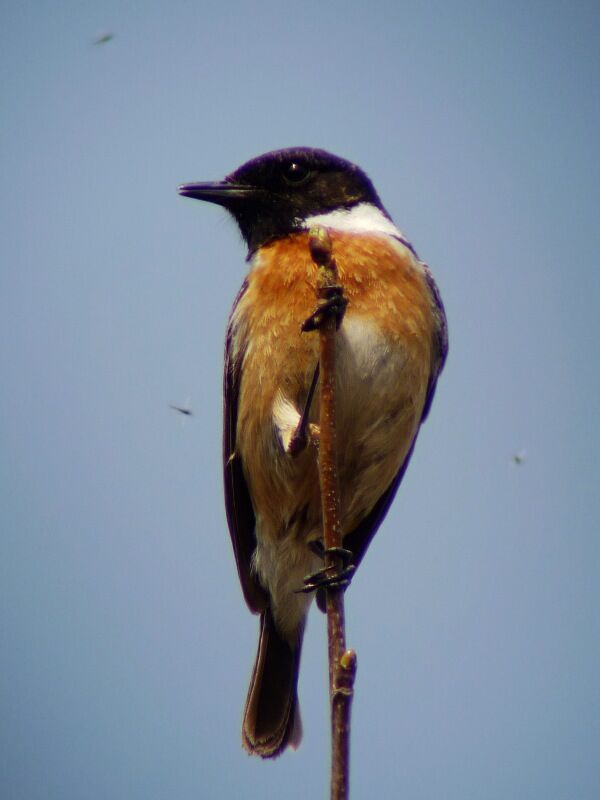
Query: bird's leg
332	303
300	437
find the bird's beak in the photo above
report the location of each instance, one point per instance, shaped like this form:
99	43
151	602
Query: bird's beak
221	192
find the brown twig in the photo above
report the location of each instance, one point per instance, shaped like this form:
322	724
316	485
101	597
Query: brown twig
342	662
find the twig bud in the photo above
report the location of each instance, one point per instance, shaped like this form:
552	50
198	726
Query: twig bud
319	243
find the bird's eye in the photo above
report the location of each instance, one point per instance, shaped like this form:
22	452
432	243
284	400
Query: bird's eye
295	173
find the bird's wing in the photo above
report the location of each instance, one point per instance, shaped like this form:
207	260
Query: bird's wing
238	505
359	539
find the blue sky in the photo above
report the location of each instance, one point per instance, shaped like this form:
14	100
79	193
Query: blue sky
126	645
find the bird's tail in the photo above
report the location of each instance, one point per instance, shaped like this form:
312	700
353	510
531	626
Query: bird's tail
272	717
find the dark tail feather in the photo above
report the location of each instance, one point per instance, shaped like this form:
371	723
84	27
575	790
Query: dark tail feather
272	718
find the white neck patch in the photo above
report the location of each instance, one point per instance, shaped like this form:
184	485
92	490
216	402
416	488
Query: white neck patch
363	218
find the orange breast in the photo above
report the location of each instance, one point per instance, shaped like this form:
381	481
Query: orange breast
387	292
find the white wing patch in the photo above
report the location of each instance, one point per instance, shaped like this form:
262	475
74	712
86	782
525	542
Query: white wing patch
286	418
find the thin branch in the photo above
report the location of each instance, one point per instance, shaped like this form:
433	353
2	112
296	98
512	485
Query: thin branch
342	662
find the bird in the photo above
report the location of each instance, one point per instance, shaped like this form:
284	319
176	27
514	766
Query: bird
390	350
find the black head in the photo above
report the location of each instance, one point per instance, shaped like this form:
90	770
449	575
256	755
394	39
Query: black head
273	194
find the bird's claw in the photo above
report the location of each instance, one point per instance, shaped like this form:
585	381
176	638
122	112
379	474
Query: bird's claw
317	547
331	577
332	305
334	576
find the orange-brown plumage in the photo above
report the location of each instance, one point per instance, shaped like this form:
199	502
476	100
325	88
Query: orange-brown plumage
384	285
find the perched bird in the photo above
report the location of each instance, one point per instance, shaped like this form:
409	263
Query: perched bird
390	349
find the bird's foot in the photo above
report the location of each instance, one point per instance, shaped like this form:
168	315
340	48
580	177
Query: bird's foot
334	576
331	305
